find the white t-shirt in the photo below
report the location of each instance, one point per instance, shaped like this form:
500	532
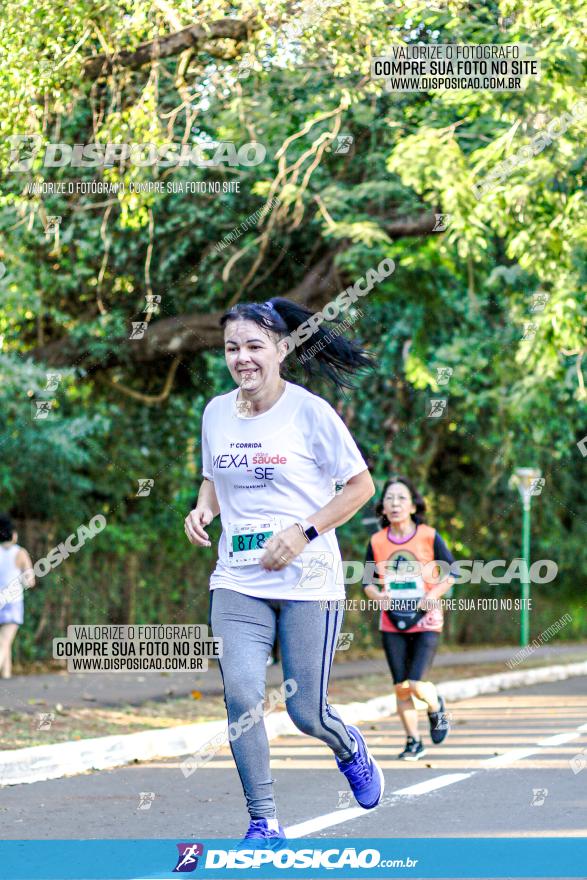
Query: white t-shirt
282	463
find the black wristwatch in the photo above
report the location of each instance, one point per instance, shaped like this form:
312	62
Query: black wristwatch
310	531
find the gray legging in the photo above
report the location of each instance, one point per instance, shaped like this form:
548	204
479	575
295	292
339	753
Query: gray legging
308	636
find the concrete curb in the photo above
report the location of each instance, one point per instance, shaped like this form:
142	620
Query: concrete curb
40	763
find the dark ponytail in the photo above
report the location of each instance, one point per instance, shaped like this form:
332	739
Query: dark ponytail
6	527
326	353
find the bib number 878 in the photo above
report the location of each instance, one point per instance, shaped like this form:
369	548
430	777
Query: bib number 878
250	542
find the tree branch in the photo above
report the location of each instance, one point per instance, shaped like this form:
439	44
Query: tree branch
150	399
172	44
189	334
407	227
181	334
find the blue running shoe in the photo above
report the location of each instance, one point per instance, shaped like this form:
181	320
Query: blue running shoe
264	836
363	773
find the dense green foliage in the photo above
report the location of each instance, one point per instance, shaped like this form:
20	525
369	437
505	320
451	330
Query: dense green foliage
460	299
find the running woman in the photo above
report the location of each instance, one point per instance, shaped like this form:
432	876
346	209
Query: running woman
410	621
16	568
271	454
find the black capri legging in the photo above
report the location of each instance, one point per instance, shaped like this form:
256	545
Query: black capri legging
409	654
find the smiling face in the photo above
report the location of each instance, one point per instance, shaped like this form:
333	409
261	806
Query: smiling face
398	504
253	355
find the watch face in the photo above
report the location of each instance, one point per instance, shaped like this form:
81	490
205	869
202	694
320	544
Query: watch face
312	533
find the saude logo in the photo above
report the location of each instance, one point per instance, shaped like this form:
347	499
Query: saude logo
240	460
265	458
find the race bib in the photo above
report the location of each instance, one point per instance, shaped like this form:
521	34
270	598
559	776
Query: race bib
403	580
246	542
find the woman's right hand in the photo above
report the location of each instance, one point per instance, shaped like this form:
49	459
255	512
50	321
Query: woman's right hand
194	526
384	601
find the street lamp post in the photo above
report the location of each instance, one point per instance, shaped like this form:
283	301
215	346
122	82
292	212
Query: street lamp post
526	480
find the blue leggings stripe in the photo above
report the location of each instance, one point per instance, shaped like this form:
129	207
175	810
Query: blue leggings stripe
324	705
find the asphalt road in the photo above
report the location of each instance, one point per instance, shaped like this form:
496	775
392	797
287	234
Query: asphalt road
29	692
506	770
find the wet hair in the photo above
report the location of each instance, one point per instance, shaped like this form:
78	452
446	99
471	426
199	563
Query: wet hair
418	517
327	353
6	527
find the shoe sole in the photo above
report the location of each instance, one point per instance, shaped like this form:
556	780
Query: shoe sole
263	842
414	757
372	760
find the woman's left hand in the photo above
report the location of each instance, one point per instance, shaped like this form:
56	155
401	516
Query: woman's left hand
281	548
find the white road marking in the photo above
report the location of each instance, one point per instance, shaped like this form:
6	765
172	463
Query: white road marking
325	821
339	816
433	784
558	739
541	745
509	757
